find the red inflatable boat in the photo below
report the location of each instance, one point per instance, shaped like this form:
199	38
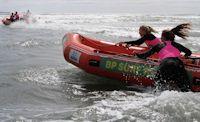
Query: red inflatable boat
6	21
105	59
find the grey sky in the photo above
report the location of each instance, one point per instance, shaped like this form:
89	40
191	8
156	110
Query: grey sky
103	6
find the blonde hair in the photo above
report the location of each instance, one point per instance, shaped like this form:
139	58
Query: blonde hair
148	29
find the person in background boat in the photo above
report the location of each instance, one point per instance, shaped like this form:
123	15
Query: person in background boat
171	70
11	17
16	16
146	37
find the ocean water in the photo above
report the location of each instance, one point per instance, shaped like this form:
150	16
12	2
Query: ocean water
37	84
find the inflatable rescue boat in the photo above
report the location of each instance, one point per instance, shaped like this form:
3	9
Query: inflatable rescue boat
105	59
6	21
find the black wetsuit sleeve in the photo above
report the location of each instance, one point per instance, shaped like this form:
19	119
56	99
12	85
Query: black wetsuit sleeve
153	50
141	40
181	48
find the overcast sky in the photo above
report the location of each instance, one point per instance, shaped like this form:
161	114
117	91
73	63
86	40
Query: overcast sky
191	7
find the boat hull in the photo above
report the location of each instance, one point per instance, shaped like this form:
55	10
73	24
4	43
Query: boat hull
6	22
105	59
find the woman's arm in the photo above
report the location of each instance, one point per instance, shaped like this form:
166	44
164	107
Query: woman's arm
182	48
153	50
141	40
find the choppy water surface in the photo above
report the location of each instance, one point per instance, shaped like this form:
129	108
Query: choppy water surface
37	84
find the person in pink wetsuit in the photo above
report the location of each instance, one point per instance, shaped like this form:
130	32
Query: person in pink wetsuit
171	69
146	37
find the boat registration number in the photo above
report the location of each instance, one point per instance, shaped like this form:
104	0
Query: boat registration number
74	55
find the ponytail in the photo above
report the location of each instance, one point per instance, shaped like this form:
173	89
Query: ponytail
152	30
182	30
148	29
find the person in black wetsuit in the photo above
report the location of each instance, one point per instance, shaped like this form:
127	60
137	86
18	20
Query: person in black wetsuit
11	17
16	16
146	37
171	70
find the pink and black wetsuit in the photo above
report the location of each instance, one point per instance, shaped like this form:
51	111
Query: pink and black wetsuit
171	69
170	51
149	39
166	50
